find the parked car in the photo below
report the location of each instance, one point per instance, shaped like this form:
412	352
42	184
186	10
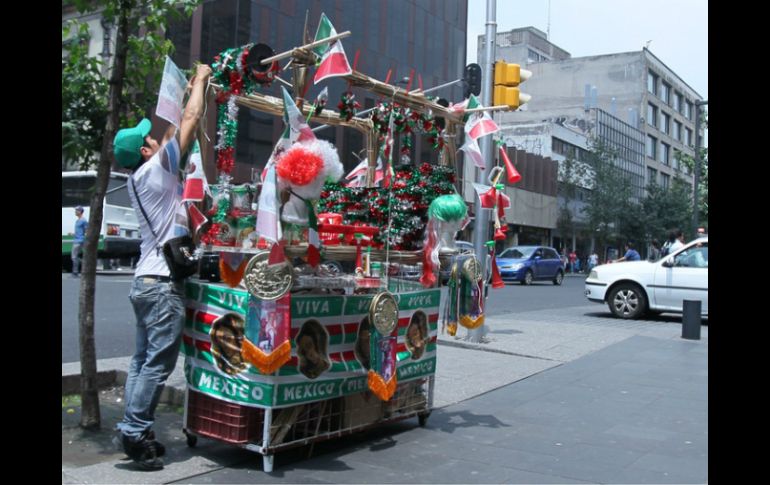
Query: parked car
631	289
526	264
119	234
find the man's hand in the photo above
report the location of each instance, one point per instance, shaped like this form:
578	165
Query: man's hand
194	108
202	73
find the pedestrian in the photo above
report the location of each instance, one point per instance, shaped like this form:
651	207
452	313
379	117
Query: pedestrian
81	224
157	300
572	259
631	254
674	242
593	260
654	251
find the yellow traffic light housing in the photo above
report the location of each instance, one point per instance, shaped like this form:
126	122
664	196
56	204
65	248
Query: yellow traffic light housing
507	78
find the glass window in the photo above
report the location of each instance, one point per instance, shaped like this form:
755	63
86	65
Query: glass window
694	257
688	110
675	160
652	176
687	136
77	190
664	180
652	114
652	82
677	102
677	131
664	153
665	93
665	121
652	144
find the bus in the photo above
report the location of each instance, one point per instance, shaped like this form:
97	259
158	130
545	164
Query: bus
119	235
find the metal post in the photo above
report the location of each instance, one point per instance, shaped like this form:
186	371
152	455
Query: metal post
691	319
696	171
480	223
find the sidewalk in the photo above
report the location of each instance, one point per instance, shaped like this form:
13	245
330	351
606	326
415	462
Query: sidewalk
609	402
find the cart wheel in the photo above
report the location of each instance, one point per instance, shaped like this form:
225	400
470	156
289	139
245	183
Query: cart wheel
267	463
192	440
423	419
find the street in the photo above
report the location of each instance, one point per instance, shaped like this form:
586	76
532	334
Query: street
114	317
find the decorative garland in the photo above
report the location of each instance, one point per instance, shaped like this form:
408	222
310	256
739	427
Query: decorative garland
347	106
230	70
406	122
414	188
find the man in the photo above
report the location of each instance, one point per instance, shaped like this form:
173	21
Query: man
77	241
157	300
631	254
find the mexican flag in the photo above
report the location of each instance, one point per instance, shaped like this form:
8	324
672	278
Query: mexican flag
333	59
195	185
472	150
480	123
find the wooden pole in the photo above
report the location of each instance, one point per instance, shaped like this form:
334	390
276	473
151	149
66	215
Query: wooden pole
291	52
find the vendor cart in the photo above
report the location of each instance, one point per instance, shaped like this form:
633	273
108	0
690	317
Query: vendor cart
285	401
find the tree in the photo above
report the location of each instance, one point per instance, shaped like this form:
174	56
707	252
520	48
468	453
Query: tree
91	122
667	209
610	208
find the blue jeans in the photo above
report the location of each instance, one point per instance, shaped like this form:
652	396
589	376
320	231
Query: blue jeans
159	309
75	255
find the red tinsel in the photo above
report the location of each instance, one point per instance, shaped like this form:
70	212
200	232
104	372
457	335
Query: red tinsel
299	166
226	160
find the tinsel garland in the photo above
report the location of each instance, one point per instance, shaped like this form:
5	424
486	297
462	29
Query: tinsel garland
406	122
414	188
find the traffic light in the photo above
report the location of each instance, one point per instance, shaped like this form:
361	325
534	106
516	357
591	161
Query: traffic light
507	79
472	77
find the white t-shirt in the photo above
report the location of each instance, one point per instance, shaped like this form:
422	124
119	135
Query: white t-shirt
675	246
160	190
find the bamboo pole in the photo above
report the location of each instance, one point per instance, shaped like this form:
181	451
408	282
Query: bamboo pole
499	107
291	52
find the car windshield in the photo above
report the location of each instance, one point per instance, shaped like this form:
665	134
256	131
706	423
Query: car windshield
518	252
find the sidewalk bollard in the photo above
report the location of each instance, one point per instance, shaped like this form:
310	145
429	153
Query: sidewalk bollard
691	319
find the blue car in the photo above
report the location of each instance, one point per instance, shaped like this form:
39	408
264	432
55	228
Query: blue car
526	264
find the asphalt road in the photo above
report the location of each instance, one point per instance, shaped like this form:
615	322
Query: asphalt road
114	327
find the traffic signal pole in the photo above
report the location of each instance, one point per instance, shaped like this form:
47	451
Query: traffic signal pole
481	220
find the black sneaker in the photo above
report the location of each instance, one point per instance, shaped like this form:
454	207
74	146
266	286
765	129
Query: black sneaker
158	445
144	452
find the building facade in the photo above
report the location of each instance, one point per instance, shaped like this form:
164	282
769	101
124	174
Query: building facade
421	39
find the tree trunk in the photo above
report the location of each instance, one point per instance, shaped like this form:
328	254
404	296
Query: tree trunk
89	392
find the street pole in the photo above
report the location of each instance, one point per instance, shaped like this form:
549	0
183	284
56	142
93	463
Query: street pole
481	223
696	172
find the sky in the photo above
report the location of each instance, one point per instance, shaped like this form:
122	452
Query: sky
677	29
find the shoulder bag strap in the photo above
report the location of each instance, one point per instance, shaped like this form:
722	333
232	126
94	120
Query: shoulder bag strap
139	201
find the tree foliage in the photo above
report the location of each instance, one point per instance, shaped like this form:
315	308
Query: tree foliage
94	105
85	83
666	209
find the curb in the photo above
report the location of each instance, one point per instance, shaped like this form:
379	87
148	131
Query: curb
70	384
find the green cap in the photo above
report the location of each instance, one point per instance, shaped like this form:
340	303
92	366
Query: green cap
128	142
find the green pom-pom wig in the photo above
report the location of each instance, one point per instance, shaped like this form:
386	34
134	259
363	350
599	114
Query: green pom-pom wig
448	208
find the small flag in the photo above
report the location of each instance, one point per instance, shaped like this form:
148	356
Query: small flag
333	59
268	226
334	63
195	184
487	195
196	218
472	150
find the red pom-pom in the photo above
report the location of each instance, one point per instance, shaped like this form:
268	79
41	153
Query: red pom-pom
299	166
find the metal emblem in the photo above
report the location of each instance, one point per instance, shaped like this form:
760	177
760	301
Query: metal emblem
472	269
383	312
267	282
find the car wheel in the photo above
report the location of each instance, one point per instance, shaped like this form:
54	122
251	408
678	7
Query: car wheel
527	278
559	278
627	301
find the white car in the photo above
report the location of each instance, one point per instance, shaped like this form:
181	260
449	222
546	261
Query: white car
634	288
